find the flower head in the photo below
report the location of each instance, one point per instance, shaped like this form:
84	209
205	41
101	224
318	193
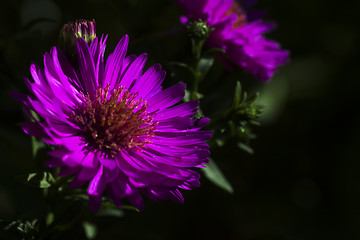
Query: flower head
113	126
242	40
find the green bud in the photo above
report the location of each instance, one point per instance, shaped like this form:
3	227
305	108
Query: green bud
199	30
250	112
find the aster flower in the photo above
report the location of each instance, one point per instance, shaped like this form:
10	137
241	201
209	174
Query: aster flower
242	40
115	129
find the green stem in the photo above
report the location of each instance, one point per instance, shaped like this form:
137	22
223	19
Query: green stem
197	48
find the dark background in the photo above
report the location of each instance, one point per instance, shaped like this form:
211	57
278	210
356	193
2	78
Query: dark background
301	183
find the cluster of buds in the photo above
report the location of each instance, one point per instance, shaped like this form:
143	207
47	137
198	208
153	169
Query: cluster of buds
240	116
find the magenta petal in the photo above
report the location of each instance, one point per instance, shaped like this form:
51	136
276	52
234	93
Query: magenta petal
94	203
150	82
97	185
176	196
136	200
167	98
182	110
86	66
114	62
34	129
77	183
54	163
87	174
108	163
133	71
89	161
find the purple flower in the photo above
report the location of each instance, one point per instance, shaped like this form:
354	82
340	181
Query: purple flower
242	40
114	126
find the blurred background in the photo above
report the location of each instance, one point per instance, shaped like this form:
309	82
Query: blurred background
302	182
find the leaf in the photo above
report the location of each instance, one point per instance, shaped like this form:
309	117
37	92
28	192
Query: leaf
253	98
90	230
245	148
237	95
40	180
36	145
187	95
220	142
204	65
199	95
49	218
183	65
214	174
110	209
129	207
214	50
111	212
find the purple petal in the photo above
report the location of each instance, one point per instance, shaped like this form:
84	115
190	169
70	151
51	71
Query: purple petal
134	71
167	97
182	110
97	184
94	203
150	82
115	61
86	66
33	128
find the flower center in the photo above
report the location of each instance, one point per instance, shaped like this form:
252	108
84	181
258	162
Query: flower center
113	120
236	9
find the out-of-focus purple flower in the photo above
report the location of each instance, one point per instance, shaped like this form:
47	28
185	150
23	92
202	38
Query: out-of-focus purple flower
242	40
114	126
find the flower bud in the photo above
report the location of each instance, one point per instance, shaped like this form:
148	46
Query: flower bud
73	30
199	30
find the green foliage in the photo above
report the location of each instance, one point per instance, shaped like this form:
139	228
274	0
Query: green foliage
214	174
39	180
204	65
37	145
27	230
90	230
237	121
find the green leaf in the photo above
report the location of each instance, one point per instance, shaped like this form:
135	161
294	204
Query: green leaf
49	218
90	230
212	50
220	142
245	147
204	65
237	95
36	145
111	212
40	180
129	207
253	98
183	65
214	174
199	95
109	209
187	95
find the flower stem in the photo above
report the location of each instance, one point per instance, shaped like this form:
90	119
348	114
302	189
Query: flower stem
197	48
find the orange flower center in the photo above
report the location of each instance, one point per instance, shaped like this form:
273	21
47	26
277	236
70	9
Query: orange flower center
113	120
236	9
